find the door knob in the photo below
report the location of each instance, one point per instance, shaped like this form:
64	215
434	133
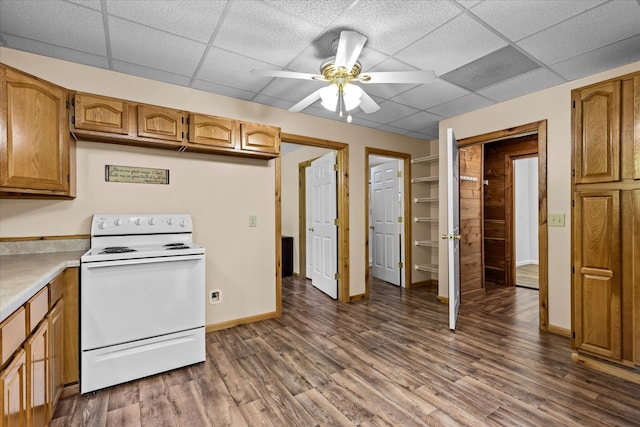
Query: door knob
372	227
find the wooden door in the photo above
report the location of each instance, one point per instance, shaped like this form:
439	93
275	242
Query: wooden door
259	138
13	389
597	287
34	148
215	132
56	352
160	123
37	354
597	133
100	113
471	201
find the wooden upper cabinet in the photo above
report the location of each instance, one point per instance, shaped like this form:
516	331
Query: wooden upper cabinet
210	131
260	138
99	113
35	147
160	123
597	284
597	122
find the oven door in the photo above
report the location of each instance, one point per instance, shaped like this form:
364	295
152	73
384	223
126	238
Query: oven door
127	300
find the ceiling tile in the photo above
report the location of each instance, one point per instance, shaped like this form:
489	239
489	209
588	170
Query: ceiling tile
598	27
393	129
319	12
53	51
194	19
92	4
42	21
389	111
605	58
451	46
517	19
521	85
417	121
265	33
150	73
432	131
231	69
461	105
395	24
291	89
152	48
274	102
429	95
222	90
493	68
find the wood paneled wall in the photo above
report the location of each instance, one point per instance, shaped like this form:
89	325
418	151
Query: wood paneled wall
498	206
471	272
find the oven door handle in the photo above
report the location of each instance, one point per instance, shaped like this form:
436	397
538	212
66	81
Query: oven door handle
137	261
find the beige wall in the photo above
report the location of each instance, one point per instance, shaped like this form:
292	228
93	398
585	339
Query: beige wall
220	192
554	106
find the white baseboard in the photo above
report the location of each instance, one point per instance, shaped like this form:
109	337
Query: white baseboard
521	263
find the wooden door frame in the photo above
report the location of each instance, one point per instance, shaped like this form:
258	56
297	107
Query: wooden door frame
342	180
539	128
406	159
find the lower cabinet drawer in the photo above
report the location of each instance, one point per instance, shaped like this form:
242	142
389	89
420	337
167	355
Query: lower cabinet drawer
12	334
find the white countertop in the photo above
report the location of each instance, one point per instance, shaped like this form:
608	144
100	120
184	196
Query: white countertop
22	276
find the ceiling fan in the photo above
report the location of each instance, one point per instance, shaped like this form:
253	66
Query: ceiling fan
342	72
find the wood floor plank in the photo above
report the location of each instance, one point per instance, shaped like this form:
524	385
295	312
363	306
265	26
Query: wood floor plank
126	416
389	360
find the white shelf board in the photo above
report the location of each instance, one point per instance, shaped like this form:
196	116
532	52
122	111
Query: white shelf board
424	219
424	179
431	268
427	243
426	159
425	200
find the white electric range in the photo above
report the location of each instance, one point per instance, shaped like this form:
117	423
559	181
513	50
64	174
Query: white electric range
142	298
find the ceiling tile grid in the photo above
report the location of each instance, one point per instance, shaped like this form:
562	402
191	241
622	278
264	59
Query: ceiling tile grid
483	51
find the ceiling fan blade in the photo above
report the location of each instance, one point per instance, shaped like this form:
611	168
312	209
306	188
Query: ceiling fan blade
349	48
367	104
310	99
287	74
398	77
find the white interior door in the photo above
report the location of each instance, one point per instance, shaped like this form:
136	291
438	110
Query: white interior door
384	220
324	232
453	228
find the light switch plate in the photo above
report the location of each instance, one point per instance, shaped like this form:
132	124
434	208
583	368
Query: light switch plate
253	221
556	220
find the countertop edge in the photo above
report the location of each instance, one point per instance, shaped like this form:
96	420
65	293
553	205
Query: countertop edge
23	296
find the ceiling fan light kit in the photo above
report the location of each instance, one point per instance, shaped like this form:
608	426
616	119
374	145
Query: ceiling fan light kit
342	72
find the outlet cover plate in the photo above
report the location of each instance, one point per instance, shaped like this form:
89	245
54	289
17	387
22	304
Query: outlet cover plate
556	220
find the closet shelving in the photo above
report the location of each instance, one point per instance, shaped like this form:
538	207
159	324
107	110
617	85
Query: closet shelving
425	212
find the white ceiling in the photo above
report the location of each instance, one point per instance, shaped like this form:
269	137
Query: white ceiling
213	44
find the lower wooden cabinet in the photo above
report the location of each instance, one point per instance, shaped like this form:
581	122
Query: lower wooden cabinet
13	392
31	380
37	353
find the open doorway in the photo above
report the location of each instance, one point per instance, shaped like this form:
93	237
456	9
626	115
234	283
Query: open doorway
387	217
497	252
525	189
291	212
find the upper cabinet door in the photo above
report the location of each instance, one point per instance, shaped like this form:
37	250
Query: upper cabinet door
99	113
213	131
597	133
160	123
260	138
34	149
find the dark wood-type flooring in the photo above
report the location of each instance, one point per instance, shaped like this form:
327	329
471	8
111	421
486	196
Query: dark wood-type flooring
386	361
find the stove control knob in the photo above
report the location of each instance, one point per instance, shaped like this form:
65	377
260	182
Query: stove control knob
170	221
139	221
118	221
183	223
152	221
102	225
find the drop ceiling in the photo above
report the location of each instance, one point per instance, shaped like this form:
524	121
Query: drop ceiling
483	52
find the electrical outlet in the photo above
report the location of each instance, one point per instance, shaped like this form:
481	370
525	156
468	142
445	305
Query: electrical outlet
215	296
253	221
556	220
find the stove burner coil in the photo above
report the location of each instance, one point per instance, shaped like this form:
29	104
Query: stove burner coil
117	250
